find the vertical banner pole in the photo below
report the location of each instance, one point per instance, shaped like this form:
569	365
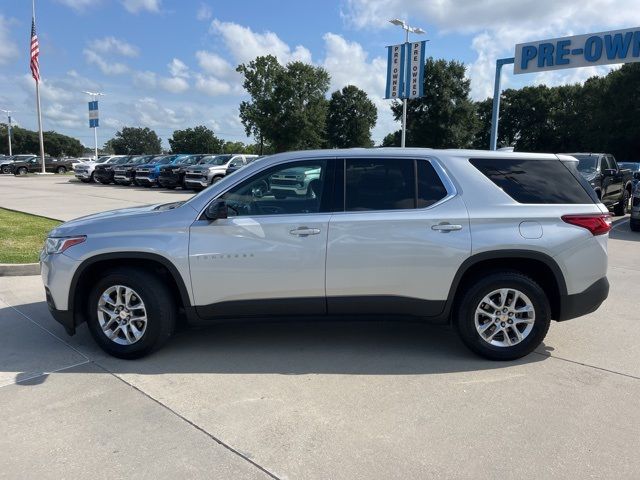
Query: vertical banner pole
95	139
9	134
495	113
403	140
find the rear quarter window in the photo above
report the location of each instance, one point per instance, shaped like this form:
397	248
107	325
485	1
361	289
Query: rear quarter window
534	181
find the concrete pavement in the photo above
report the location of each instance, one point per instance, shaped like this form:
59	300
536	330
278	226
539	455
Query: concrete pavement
62	197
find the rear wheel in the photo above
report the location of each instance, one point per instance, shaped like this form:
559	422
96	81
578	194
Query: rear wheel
61	170
634	225
216	180
503	316
131	313
22	171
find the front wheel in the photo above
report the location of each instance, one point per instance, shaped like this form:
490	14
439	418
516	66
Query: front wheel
6	169
634	225
22	171
503	316
623	206
131	313
61	170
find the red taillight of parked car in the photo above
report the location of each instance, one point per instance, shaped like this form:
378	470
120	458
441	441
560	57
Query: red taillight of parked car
597	224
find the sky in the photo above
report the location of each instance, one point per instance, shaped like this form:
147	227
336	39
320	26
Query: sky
170	64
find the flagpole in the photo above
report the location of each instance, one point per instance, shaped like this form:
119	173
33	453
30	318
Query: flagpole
33	11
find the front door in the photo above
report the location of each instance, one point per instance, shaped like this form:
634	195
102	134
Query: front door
268	257
398	244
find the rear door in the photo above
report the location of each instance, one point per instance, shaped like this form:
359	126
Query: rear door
402	235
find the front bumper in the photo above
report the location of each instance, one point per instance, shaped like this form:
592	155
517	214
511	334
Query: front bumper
63	317
170	180
82	175
57	272
196	182
587	301
146	180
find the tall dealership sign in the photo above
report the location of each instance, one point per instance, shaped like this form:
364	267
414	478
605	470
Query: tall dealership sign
593	49
405	75
93	114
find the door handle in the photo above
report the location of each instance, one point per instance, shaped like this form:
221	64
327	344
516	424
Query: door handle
304	231
446	227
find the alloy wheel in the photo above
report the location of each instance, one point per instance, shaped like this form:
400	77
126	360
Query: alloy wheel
504	317
122	315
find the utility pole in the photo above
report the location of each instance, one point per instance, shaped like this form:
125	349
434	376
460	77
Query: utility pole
8	112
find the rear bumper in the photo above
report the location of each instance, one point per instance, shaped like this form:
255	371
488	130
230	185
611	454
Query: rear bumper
579	304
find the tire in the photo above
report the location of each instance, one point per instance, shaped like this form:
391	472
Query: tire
532	332
6	169
216	179
634	225
22	171
61	170
622	206
159	306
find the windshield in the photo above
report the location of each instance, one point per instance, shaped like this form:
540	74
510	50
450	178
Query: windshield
587	163
162	160
190	160
633	166
216	159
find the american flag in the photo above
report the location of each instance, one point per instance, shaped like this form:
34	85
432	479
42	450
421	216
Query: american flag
35	51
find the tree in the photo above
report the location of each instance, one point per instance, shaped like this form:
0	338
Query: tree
27	141
392	139
445	117
195	140
350	118
288	108
135	141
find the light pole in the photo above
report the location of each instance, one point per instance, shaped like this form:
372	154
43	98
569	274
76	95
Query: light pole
94	97
407	29
8	112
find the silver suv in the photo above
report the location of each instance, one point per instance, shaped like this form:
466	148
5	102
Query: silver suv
497	244
213	170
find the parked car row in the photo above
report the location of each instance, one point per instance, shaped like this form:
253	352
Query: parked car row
188	171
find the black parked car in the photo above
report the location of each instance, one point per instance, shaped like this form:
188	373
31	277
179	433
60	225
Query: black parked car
125	173
172	176
612	184
104	172
635	171
6	162
34	165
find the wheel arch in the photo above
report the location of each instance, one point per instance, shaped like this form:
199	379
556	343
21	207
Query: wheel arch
81	283
540	266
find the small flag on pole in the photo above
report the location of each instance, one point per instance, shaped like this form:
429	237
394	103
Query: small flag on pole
35	52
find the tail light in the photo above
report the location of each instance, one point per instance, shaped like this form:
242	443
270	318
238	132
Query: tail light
597	224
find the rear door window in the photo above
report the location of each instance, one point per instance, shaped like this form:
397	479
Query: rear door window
534	181
391	184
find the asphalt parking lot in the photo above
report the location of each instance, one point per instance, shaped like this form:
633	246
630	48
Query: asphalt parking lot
340	400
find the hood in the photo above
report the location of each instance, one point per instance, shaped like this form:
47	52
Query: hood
112	220
148	165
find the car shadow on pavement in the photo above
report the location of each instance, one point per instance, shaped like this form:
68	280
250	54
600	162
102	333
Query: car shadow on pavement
345	347
622	231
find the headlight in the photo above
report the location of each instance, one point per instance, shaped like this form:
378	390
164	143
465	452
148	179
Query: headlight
60	244
175	170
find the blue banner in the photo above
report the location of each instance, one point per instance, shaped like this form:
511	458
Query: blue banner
93	114
405	70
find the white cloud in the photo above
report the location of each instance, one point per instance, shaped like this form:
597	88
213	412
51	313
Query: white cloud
8	49
135	6
212	86
145	79
349	64
204	12
115	68
497	25
214	64
114	46
245	44
174	84
148	112
177	68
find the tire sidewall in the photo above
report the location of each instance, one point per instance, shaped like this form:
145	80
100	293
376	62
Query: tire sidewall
159	309
465	321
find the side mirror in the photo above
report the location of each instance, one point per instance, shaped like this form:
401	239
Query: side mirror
609	172
217	210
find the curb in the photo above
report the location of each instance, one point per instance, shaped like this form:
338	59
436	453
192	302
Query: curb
19	269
